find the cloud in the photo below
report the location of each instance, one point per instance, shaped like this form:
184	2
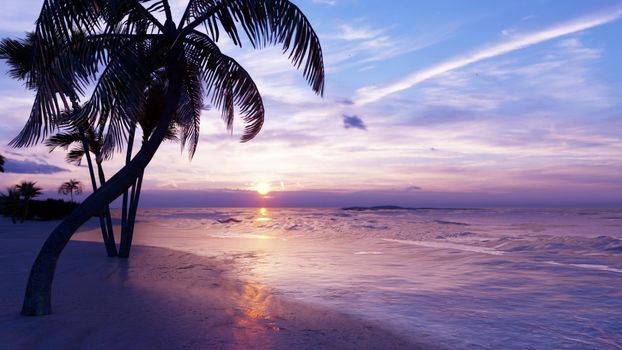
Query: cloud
345	102
413	188
325	2
353	122
28	167
370	93
350	33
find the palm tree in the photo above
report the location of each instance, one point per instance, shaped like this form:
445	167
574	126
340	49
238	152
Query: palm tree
70	187
87	138
1	163
88	142
117	46
147	120
28	190
11	201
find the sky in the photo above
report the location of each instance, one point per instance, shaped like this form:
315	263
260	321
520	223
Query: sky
427	103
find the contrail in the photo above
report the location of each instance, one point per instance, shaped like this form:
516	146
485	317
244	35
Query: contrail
370	94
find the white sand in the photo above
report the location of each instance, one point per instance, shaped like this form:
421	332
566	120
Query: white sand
161	299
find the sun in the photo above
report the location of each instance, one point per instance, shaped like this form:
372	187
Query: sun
263	188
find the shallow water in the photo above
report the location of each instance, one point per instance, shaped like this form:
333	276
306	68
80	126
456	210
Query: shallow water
462	279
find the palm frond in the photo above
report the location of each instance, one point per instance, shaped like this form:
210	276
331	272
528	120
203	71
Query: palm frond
131	16
75	155
117	98
60	76
188	115
72	41
18	54
63	140
265	22
153	105
228	84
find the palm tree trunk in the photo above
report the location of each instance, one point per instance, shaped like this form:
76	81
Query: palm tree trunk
124	209
128	232
110	229
25	213
38	298
111	248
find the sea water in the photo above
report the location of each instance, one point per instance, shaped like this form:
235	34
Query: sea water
460	279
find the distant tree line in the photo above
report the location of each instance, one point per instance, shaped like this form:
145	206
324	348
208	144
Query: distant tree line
19	203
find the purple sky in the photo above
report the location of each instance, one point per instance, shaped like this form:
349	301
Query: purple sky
428	103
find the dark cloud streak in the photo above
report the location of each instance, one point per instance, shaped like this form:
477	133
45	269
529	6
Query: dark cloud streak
353	122
28	167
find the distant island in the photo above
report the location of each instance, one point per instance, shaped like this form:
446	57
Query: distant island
397	207
379	207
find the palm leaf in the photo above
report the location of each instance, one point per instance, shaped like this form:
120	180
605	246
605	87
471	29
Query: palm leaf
228	84
265	22
72	41
75	155
188	115
18	54
63	140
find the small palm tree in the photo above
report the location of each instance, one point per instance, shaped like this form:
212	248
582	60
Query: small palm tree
1	163
70	187
88	142
28	190
11	202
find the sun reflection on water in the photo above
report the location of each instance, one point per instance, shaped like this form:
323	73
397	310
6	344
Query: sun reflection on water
263	215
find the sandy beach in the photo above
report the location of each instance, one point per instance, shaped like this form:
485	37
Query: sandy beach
162	299
327	279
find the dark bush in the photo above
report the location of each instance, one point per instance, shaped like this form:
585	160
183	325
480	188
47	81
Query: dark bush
49	209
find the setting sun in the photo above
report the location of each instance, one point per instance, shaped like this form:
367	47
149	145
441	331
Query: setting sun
263	188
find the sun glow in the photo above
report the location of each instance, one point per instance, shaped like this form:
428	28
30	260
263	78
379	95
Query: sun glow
263	215
263	188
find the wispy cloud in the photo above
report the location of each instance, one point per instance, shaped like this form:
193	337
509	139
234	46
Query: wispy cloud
325	2
370	93
350	32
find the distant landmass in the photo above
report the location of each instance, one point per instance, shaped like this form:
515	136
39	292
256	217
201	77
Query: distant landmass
379	207
397	207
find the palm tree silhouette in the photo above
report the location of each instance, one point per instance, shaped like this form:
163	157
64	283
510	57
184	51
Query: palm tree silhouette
1	163
88	142
70	187
117	46
86	138
147	120
12	202
28	190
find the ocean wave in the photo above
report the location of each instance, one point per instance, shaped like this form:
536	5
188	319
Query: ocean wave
448	245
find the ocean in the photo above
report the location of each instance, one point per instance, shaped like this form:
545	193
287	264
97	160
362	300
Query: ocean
458	278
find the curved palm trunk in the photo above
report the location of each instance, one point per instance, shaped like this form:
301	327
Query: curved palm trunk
111	248
37	300
110	229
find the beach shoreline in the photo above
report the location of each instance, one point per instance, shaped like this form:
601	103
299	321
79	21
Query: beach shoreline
163	298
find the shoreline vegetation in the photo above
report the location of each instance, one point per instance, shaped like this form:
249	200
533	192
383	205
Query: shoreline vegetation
19	203
40	210
164	298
